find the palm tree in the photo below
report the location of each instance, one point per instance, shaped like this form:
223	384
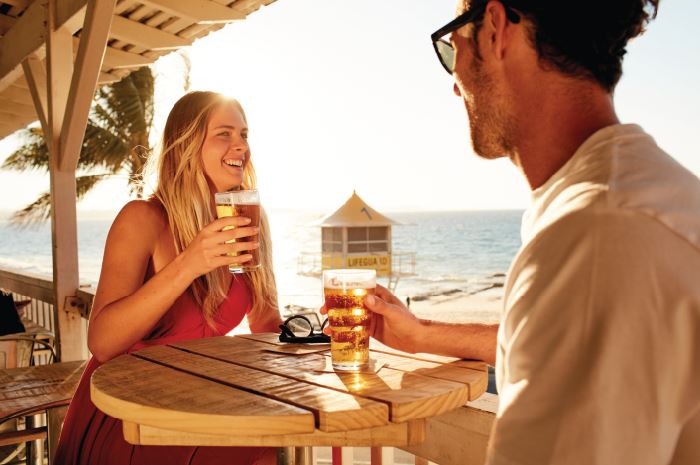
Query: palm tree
116	141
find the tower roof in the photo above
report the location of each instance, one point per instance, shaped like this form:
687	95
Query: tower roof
355	212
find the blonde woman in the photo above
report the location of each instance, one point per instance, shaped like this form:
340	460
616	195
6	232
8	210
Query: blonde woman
164	276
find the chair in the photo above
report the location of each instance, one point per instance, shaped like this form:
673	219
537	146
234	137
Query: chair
17	351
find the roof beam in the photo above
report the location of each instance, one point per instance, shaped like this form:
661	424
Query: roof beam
15	107
28	34
116	58
133	32
6	22
198	11
35	75
85	75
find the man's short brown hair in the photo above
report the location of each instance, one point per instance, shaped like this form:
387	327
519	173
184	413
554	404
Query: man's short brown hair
588	38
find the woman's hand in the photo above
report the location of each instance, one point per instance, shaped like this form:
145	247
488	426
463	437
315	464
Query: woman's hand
209	248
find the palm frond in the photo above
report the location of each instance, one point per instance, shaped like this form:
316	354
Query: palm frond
102	148
32	155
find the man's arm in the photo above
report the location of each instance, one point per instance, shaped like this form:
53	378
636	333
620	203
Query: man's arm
395	325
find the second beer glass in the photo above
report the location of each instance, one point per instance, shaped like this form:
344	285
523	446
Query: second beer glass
244	203
344	292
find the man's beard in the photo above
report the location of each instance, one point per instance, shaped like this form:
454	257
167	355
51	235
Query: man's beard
492	127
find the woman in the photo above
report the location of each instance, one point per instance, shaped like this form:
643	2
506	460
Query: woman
164	276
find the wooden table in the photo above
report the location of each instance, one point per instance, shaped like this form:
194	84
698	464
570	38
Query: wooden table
250	390
32	390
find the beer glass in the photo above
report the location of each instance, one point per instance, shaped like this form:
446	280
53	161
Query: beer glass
244	203
344	292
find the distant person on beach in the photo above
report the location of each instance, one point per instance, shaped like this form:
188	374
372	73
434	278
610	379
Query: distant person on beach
164	277
598	351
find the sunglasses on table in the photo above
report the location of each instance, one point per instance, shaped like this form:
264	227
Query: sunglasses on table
299	329
443	48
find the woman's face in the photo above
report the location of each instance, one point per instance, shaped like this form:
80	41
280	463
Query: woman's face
225	149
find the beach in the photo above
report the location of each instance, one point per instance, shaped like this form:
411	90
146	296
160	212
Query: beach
461	307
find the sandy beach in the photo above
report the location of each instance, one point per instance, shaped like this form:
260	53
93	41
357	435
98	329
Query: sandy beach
461	307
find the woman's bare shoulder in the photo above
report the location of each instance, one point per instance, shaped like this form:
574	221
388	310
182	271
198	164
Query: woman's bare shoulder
144	216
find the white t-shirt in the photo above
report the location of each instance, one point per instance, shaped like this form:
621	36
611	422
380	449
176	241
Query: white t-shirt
599	347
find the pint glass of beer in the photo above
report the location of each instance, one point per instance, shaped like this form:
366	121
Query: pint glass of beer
244	203
344	292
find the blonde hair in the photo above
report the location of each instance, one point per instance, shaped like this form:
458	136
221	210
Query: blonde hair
184	192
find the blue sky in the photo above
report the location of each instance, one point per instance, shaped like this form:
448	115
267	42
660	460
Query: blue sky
348	95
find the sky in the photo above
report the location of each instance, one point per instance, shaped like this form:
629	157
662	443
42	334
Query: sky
344	96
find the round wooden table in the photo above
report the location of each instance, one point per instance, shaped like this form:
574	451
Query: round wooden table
251	390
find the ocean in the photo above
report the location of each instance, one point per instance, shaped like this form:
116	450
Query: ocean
465	251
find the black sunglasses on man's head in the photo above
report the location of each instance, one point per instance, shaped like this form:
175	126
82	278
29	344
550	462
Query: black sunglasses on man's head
443	48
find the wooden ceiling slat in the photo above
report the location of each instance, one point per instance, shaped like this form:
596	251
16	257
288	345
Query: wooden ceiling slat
199	11
123	5
148	37
141	12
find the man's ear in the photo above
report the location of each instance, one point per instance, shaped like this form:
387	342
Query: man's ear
496	26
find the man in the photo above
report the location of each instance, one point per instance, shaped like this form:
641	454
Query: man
598	353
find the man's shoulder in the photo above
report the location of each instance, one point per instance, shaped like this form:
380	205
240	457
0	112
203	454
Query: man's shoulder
630	180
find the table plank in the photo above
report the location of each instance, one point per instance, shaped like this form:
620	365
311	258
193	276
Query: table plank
391	435
409	396
334	411
436	366
23	389
151	394
376	346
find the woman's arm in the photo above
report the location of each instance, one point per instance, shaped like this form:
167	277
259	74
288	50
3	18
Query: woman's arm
125	308
267	323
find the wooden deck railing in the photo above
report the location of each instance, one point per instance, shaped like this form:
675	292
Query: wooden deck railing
39	291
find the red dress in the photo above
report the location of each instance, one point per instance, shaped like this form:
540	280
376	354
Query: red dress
89	437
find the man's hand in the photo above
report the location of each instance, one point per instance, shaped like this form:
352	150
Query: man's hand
392	323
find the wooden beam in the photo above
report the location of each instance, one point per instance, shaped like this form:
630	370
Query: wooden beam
35	75
6	22
107	78
23	38
71	14
28	34
70	330
116	58
198	11
136	33
17	117
85	74
15	107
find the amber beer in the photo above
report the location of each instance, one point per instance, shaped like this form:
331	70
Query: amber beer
344	292
244	203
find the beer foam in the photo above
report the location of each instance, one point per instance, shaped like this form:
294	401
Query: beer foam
350	279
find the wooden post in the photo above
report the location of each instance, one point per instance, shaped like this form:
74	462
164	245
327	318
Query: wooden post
69	96
64	232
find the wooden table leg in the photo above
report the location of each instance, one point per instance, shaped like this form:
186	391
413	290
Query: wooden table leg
295	456
382	456
55	418
303	456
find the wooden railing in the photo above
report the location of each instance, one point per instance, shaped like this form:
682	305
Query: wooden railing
39	291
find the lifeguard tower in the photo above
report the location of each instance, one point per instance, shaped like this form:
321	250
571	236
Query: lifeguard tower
358	236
